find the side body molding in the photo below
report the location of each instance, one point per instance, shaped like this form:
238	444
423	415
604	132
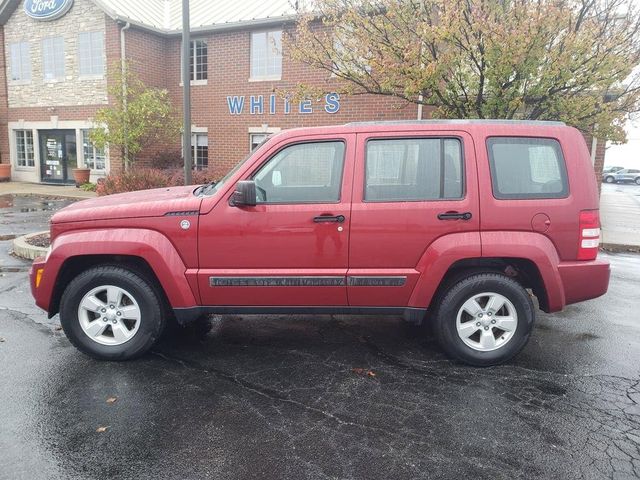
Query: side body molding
150	245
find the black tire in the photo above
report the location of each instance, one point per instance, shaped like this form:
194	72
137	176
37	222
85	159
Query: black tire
447	308
637	180
609	179
152	313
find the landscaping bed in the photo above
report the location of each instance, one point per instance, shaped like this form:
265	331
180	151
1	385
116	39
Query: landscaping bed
39	240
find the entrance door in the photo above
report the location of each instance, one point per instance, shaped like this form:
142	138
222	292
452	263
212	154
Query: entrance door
58	155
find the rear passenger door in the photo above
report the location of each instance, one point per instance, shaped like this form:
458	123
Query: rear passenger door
409	190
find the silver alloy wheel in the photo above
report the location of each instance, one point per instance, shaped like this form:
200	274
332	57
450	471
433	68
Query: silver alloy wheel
486	321
109	315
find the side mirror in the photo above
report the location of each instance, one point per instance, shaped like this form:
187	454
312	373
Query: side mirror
245	194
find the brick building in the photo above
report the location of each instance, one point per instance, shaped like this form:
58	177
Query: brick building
58	55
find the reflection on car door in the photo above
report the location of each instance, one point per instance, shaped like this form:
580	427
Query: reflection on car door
291	249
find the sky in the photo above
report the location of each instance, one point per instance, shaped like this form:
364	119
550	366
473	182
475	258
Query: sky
627	155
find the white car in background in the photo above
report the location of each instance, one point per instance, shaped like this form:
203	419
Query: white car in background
626	175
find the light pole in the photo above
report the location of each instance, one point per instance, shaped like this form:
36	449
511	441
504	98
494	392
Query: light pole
186	93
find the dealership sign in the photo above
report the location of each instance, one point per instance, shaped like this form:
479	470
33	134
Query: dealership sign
261	104
47	9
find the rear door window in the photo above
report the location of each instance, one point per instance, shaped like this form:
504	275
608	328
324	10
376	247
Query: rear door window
413	169
523	168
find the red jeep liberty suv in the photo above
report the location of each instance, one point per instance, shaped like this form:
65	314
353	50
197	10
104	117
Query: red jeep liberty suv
466	220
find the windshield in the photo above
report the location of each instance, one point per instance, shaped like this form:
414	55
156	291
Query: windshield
213	187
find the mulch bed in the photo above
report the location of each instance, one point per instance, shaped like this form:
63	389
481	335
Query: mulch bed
41	240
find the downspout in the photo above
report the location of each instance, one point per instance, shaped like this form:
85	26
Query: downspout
594	146
123	73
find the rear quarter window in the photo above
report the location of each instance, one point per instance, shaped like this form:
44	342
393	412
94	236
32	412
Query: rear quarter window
527	168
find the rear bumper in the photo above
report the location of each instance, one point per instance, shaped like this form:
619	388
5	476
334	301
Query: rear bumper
40	292
584	280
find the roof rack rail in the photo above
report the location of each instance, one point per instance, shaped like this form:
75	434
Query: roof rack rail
460	122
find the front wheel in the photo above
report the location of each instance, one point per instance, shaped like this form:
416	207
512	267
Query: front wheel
609	179
111	313
637	180
484	319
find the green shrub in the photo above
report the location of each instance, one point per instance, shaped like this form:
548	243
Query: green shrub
88	187
145	178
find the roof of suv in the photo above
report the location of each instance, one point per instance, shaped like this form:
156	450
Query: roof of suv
425	125
544	123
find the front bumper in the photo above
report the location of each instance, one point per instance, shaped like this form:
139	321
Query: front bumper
41	291
584	280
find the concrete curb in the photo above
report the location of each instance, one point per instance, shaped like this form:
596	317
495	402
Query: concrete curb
22	249
617	248
59	196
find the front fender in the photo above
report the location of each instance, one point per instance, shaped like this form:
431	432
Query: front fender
150	245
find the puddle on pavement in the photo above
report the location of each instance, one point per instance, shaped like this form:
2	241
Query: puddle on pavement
15	269
27	204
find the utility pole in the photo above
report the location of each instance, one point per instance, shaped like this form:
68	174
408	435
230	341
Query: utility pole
186	93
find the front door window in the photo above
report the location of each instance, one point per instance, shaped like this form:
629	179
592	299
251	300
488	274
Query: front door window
302	173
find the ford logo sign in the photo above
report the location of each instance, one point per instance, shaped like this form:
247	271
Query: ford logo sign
46	9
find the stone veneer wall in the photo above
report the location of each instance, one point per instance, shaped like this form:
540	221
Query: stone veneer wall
84	16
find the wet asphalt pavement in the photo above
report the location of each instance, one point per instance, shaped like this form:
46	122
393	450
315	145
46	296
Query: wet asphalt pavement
292	397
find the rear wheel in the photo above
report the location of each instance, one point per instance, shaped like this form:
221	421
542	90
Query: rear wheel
111	313
484	319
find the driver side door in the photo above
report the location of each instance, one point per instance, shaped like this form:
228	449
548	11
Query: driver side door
291	248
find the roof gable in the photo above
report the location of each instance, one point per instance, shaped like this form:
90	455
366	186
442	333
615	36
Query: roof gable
165	16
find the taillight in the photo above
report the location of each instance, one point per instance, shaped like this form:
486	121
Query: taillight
589	234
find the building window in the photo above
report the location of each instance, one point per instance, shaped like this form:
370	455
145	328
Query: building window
255	139
266	55
200	150
94	157
198	60
24	148
91	53
20	62
53	58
